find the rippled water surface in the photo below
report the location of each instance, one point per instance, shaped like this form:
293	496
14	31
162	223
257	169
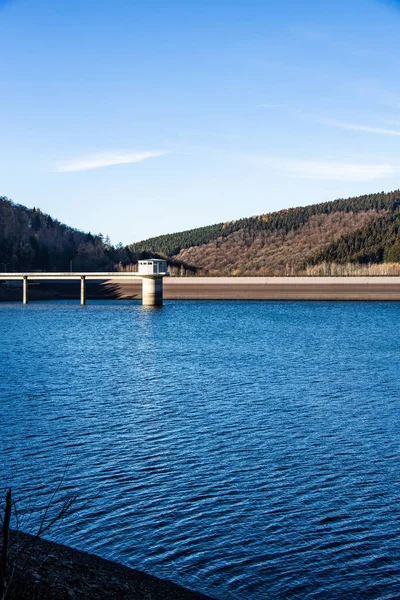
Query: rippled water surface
248	450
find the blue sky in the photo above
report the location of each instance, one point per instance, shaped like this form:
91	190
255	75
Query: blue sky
140	118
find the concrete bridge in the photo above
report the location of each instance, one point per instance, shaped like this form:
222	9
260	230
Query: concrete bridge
151	272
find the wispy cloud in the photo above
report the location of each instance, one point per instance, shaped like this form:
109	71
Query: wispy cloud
358	127
329	170
267	105
106	159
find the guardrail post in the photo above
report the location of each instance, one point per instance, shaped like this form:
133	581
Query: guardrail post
83	290
25	290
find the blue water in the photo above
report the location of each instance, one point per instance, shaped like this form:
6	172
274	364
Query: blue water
248	450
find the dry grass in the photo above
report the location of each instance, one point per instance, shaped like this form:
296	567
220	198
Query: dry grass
352	270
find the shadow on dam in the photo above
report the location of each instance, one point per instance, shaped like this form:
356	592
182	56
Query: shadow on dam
70	290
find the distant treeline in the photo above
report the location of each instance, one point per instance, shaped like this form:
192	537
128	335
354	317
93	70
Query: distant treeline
172	243
282	221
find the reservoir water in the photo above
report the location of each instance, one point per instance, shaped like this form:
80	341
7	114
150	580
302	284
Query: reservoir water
248	450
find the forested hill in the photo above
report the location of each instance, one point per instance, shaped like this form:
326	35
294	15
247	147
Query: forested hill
361	230
31	240
296	241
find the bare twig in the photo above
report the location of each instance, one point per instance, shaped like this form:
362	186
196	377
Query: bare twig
4	572
24	550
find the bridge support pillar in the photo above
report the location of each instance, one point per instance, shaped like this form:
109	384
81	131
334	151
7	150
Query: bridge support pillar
25	290
83	290
152	291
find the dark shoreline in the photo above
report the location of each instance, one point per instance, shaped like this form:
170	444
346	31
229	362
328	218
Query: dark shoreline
50	571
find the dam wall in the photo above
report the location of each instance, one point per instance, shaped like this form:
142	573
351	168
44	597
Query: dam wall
219	288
